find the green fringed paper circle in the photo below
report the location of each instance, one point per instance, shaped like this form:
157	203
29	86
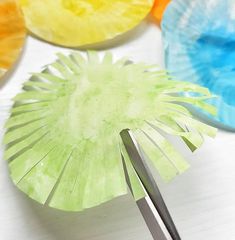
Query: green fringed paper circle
63	144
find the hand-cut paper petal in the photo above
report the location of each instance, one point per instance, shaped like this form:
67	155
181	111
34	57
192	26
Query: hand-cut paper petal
79	22
62	138
199	41
159	9
12	33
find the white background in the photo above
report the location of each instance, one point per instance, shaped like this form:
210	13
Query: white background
201	201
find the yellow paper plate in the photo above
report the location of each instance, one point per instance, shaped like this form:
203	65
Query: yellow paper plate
159	8
79	22
12	33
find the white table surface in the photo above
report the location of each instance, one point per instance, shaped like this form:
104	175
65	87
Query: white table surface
201	201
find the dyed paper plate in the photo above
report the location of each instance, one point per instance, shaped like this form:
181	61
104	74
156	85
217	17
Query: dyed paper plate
74	23
199	39
62	139
159	9
12	33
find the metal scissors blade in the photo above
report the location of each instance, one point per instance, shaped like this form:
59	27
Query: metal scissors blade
152	206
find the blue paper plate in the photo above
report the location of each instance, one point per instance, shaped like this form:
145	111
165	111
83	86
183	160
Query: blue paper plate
199	42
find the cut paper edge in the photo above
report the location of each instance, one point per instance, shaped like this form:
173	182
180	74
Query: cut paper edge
55	117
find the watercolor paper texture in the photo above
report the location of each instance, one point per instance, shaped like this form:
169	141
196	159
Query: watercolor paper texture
63	144
12	33
199	38
159	9
74	23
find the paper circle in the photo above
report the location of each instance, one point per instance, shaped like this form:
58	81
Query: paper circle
199	39
159	9
12	33
74	23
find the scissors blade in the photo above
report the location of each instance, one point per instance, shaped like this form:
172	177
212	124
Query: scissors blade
149	213
148	182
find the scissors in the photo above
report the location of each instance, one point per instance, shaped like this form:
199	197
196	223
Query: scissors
152	206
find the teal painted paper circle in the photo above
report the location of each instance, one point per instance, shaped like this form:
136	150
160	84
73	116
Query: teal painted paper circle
199	45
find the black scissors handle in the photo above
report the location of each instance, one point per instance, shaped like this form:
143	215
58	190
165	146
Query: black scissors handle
148	181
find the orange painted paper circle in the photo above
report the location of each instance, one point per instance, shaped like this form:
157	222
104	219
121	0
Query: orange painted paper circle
12	33
159	8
